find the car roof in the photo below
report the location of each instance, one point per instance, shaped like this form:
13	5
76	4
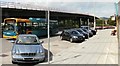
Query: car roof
72	30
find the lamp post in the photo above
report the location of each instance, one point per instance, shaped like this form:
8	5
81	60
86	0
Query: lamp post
117	25
48	38
48	31
94	22
94	17
88	28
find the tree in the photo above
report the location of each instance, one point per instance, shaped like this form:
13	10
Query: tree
99	22
111	22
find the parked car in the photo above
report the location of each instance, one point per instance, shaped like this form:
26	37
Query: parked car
83	32
93	31
72	36
88	28
88	32
27	49
77	32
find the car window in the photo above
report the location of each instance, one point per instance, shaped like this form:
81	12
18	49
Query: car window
63	32
66	33
27	40
79	31
84	29
74	32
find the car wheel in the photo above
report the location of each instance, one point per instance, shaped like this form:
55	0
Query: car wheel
14	62
71	40
61	37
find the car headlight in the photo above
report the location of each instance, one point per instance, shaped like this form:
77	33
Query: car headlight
83	36
39	54
75	37
42	53
15	53
18	53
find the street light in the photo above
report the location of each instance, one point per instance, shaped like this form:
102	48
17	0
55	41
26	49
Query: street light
94	16
117	24
48	36
94	22
88	28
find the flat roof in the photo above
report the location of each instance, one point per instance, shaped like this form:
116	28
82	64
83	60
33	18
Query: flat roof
35	7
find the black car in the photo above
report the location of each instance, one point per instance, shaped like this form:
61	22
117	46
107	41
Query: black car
72	36
83	32
92	30
88	32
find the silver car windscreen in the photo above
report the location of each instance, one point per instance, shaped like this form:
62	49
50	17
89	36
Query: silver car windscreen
27	40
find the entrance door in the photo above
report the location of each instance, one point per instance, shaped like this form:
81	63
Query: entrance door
21	28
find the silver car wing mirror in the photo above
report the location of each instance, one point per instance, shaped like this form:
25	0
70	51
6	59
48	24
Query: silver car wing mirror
41	42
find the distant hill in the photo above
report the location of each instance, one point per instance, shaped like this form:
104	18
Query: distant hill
104	17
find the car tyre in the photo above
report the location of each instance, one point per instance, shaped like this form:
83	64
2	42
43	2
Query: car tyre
44	60
14	62
71	40
61	37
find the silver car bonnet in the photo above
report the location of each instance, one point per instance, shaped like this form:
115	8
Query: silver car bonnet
28	48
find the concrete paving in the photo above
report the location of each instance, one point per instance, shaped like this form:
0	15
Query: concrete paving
99	49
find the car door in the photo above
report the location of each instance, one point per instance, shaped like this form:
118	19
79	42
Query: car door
63	35
67	35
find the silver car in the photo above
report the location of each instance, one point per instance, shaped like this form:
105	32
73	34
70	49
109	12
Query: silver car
27	49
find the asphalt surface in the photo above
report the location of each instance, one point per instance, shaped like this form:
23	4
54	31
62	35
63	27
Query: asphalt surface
61	49
99	49
56	45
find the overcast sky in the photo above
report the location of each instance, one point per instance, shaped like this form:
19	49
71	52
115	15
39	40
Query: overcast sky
101	8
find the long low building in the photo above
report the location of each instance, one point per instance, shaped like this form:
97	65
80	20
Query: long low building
20	10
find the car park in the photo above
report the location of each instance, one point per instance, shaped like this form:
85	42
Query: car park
27	49
72	36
